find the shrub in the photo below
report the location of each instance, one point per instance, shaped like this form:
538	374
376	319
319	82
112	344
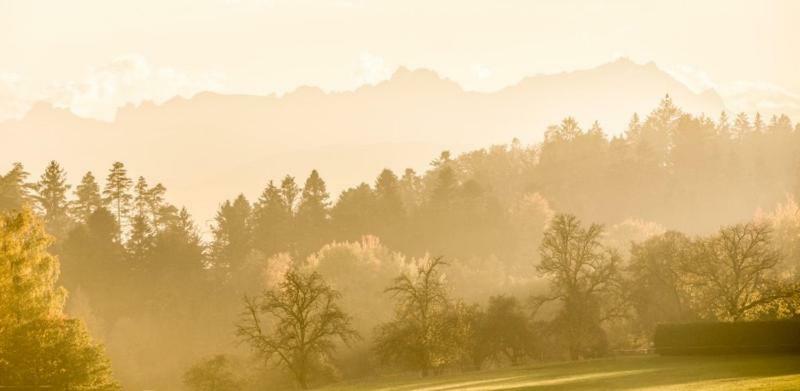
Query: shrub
727	337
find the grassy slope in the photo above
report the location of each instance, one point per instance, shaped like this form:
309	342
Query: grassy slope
628	373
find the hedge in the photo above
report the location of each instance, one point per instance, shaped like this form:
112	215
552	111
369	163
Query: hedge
727	337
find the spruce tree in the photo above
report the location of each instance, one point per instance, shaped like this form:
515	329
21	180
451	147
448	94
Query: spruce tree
141	195
289	192
231	234
271	220
116	193
51	198
88	198
14	191
312	214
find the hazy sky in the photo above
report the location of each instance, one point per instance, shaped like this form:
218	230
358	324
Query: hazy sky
94	56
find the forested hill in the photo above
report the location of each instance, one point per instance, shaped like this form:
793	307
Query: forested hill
233	143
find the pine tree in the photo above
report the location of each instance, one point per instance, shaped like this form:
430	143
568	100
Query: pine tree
231	234
389	210
313	208
51	198
312	214
141	196
156	204
741	126
140	241
40	346
116	192
289	192
271	221
88	198
14	191
758	123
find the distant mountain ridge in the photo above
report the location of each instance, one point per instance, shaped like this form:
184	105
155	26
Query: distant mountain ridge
226	144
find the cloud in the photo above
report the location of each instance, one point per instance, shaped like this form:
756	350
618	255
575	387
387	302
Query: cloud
695	79
764	97
371	69
480	71
128	79
741	95
15	96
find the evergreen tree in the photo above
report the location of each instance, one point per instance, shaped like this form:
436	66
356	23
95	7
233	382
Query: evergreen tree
231	234
51	197
289	192
741	126
116	192
141	197
88	198
140	241
355	214
271	220
14	191
312	213
156	205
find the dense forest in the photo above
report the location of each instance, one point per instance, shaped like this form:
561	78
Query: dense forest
568	249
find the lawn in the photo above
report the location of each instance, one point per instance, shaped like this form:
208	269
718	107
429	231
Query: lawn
745	372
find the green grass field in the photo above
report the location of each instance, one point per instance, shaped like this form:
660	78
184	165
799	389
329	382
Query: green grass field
750	372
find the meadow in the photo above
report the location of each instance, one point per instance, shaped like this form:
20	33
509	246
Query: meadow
737	372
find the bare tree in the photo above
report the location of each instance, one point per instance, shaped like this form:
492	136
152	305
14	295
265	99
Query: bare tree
305	321
732	271
417	335
584	277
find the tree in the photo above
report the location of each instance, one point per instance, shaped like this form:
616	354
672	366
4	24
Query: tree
141	195
731	271
39	345
158	209
306	322
505	331
213	374
140	241
289	192
231	234
312	214
14	191
271	218
584	277
116	192
418	336
656	288
51	196
389	207
355	213
88	198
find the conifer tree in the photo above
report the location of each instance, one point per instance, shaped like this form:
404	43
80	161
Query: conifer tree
231	234
51	198
289	192
141	196
14	191
88	198
312	214
271	219
314	203
116	192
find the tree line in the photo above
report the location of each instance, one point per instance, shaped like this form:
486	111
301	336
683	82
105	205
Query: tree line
148	285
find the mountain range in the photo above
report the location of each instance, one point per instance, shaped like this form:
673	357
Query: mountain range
213	146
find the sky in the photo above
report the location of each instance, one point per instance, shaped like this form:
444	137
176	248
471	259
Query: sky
93	56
